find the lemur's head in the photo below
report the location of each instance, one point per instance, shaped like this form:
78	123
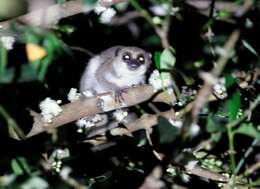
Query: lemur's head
131	60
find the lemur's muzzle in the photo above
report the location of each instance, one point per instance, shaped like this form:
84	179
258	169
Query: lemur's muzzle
133	64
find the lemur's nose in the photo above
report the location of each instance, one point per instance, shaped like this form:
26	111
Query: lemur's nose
133	64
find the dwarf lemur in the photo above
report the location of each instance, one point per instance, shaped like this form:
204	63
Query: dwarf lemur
115	69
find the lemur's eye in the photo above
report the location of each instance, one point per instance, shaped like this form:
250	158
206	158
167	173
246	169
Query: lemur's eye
126	56
140	58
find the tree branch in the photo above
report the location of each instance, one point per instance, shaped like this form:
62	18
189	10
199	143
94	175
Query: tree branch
144	122
47	17
89	106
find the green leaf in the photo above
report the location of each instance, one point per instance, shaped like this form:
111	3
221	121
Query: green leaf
166	76
224	14
17	169
61	1
30	37
8	76
167	60
157	57
27	73
68	29
249	130
229	80
20	166
216	136
44	67
167	132
3	60
234	104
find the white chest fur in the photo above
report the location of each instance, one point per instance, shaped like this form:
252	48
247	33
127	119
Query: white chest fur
124	80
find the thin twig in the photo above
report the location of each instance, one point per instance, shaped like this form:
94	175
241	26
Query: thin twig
206	89
246	155
162	32
252	169
246	114
14	130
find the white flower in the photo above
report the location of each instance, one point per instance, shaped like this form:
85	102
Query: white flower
49	109
89	121
73	95
219	89
7	42
119	115
84	123
107	15
99	9
157	82
97	118
61	153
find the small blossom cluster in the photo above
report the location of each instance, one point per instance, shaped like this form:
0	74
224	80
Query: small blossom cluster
88	122
7	42
49	109
119	115
106	13
73	95
219	89
156	81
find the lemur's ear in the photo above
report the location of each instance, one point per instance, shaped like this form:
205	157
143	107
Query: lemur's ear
117	50
149	58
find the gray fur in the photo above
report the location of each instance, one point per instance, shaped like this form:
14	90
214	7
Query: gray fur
107	72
